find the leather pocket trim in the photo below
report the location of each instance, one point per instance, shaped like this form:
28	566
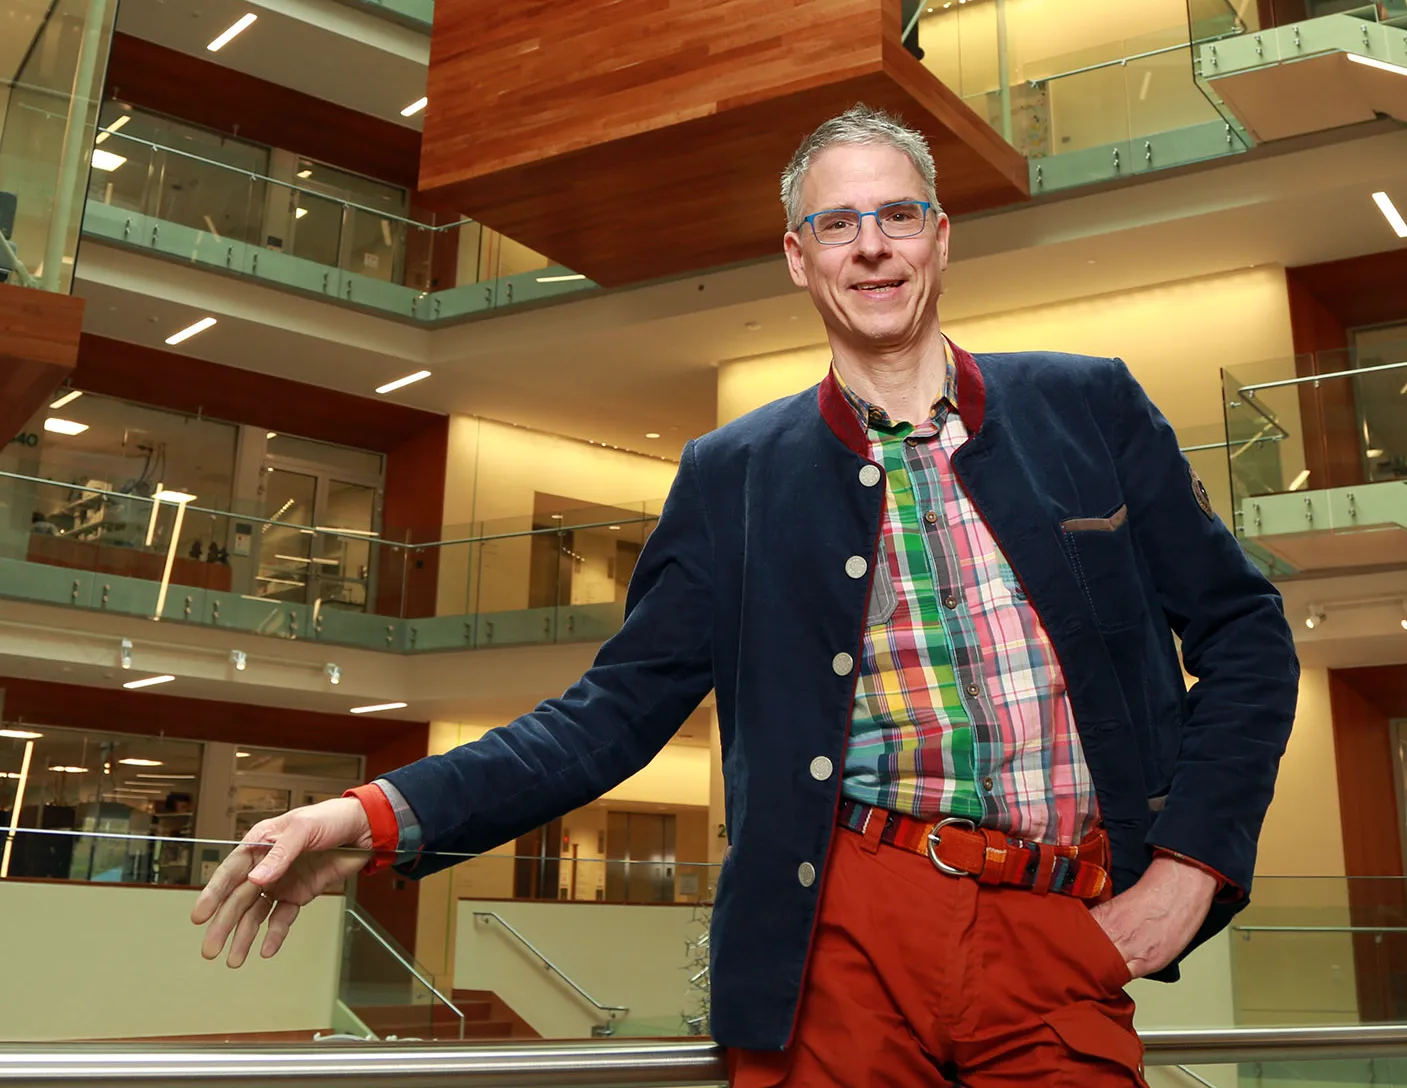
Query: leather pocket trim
1096	525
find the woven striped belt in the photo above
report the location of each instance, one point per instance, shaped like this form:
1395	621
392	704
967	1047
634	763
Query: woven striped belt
960	848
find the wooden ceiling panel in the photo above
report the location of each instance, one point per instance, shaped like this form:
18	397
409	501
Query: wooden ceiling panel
39	333
636	139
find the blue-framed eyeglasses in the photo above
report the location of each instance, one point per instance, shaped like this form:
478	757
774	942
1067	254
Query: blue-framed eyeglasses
841	226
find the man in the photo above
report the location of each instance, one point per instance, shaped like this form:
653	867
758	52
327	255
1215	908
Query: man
936	596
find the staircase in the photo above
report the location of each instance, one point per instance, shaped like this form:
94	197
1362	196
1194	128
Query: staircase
486	1017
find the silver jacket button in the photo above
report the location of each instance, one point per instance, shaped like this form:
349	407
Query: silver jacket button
806	874
856	566
842	664
869	475
821	768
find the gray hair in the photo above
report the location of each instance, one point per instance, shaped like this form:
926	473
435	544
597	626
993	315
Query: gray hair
859	125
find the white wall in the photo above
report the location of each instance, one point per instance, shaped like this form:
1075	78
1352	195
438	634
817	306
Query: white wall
1202	999
84	961
620	955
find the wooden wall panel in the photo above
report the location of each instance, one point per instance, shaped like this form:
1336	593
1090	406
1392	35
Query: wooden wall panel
415	490
1363	701
630	139
39	333
219	98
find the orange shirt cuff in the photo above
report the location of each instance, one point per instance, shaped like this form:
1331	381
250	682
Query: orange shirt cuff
385	831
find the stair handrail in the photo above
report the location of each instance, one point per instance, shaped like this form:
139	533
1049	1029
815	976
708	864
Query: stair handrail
609	1010
1252	388
406	962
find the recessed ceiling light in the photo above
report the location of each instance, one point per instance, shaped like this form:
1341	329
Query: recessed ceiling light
561	279
415	107
68	769
652	434
165	777
1391	214
305	173
148	681
241	25
615	528
64	426
106	160
1373	62
68	398
378	706
401	382
20	734
300	213
113	127
556	517
272	434
242	755
190	330
174	496
134	761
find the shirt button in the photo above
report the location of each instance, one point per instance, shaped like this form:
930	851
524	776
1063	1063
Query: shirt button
987	784
950	602
973	689
841	664
821	768
869	475
911	441
806	874
856	566
931	518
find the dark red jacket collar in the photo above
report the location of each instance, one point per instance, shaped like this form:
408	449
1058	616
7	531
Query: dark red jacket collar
840	415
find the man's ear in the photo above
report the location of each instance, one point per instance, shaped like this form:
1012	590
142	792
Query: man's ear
796	264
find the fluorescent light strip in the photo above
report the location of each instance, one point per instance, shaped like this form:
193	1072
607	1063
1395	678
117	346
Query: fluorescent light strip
561	279
64	426
1373	62
174	496
244	23
16	809
113	127
68	398
305	173
190	330
1391	214
106	160
375	708
20	734
401	382
345	532
415	107
165	777
133	761
148	682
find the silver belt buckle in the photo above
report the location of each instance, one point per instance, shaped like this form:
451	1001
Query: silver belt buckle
953	821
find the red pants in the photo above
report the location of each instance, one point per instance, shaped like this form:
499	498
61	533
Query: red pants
922	980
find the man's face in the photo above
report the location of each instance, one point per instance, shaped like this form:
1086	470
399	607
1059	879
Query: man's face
876	292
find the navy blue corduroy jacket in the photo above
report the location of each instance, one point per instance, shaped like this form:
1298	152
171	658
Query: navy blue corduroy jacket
742	588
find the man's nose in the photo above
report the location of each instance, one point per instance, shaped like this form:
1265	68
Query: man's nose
872	242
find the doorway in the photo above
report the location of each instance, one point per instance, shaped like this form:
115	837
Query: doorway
307	485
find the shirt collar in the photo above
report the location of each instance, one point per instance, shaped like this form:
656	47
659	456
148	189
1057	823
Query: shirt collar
871	415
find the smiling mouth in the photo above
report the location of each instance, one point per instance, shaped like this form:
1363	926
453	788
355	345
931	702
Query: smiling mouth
878	285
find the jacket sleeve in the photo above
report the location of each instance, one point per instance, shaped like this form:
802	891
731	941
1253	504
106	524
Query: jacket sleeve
1235	642
568	751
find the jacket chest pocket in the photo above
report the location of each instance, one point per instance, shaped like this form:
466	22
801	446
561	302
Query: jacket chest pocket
1100	550
883	598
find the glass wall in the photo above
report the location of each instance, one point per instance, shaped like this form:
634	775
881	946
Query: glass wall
52	59
1382	421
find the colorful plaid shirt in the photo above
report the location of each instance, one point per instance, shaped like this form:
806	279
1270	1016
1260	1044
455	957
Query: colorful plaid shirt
960	705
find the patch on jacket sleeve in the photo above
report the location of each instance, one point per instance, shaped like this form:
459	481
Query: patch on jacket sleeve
1199	492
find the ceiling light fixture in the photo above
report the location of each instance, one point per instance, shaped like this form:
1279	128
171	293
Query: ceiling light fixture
64	426
106	160
1391	214
135	761
561	279
113	127
1316	616
63	768
378	706
415	107
334	674
272	434
148	681
1299	481
190	330
400	383
652	434
166	777
125	654
174	496
238	660
68	398
241	25
1373	62
242	755
305	173
299	213
615	528
20	734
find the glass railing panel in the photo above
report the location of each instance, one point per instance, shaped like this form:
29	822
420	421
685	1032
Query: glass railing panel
384	989
50	116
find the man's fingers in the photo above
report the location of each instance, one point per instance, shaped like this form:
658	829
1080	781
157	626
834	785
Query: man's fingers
226	916
284	849
280	921
232	873
248	929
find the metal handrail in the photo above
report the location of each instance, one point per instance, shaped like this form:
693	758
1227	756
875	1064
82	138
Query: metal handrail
582	1064
255	176
1251	390
1318	929
1122	62
488	915
407	964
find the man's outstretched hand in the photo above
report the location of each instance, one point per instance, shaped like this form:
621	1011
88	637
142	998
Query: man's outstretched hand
281	865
